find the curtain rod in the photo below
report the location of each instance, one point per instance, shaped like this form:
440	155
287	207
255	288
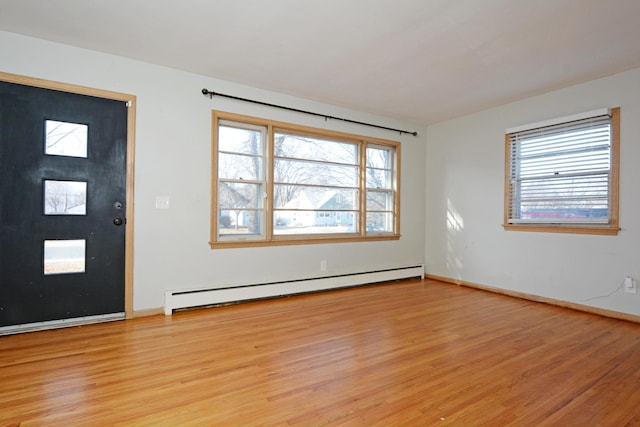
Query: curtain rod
212	94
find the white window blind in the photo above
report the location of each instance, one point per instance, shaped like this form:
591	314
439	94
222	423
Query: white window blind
561	173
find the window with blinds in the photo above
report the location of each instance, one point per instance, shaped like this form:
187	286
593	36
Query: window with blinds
564	173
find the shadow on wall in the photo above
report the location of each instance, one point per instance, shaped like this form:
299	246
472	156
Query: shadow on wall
455	226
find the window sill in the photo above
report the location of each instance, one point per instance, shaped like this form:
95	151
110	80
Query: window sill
301	241
568	229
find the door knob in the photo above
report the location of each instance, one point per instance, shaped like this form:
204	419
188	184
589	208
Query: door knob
117	221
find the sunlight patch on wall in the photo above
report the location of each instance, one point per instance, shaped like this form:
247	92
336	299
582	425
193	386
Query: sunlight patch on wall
455	226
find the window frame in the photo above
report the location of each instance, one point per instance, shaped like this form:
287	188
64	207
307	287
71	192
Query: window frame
270	237
391	169
260	181
609	228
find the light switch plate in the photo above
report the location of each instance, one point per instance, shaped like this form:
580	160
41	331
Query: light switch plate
162	202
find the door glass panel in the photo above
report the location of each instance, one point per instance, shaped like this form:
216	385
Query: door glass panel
65	197
64	256
65	139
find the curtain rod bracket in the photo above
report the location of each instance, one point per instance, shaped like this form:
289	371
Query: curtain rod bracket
211	94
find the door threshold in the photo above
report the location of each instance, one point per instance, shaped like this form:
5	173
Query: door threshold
64	323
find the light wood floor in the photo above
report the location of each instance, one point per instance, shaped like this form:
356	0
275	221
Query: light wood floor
411	353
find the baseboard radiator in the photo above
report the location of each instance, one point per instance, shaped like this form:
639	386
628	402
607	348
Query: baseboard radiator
175	300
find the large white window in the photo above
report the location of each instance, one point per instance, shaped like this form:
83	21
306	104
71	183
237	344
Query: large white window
563	175
276	183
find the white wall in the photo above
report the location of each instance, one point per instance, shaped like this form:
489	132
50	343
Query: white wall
173	152
465	187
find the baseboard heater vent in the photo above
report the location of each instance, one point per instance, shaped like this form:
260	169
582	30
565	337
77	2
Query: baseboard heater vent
174	300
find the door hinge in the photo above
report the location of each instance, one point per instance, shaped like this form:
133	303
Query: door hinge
129	104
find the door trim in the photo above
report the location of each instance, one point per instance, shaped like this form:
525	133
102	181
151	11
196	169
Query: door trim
63	323
131	127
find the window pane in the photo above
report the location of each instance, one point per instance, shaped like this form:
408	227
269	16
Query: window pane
240	222
234	166
239	195
314	222
65	139
563	140
379	201
378	178
574	198
301	172
379	222
564	163
379	158
310	148
237	140
65	197
317	198
64	256
316	185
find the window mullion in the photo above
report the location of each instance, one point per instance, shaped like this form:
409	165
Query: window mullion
363	188
395	176
516	170
268	187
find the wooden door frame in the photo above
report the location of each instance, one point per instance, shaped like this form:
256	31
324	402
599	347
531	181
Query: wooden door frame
131	127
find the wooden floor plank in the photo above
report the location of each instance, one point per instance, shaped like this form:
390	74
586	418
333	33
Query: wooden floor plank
403	353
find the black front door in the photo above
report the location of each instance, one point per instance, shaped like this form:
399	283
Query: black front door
62	206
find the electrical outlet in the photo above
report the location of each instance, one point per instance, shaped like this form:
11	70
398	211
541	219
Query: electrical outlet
323	265
629	285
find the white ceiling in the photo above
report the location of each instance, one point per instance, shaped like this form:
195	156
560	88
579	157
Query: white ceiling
420	61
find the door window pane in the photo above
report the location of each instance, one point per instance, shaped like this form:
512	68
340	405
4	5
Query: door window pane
65	139
64	256
65	197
